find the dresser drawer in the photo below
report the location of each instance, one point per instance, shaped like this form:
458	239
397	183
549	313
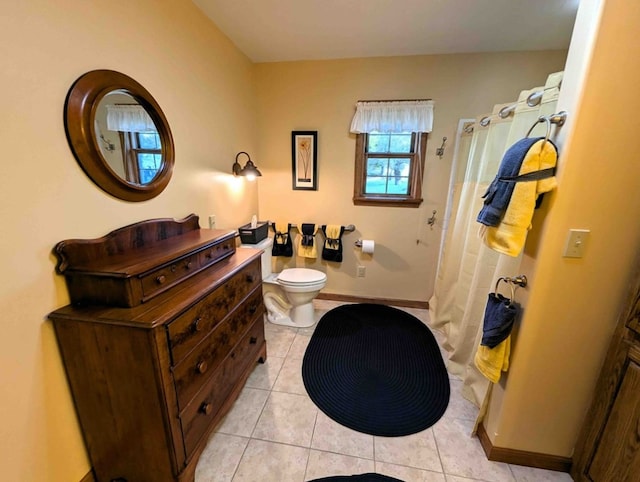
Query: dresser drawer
167	276
188	329
195	368
197	417
216	252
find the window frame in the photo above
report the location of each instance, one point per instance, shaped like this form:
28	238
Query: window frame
416	170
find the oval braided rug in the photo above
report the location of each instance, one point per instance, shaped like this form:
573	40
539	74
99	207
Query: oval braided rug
377	370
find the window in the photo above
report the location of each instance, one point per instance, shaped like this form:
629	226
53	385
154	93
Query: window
143	154
389	167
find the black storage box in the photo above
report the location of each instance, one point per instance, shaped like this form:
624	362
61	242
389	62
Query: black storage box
249	235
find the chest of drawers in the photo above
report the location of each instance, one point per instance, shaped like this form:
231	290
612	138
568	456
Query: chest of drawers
151	381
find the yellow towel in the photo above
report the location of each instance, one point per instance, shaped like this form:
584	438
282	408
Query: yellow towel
332	231
493	361
307	251
509	236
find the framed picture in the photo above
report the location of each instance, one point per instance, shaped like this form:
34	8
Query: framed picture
304	154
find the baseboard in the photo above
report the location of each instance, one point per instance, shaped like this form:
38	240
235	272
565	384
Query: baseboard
89	477
522	457
379	301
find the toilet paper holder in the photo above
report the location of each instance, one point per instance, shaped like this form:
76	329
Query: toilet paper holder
358	243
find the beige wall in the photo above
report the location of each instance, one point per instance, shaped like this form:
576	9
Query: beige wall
321	95
204	86
573	304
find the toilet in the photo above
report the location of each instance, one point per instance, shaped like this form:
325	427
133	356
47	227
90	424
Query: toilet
288	295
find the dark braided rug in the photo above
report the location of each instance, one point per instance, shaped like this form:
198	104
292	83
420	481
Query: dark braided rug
377	370
370	477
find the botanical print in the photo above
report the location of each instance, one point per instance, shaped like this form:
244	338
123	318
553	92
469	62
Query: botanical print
304	159
304	168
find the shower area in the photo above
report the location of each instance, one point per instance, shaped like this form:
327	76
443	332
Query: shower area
468	270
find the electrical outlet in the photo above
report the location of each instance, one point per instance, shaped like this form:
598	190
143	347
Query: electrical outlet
362	270
576	242
212	221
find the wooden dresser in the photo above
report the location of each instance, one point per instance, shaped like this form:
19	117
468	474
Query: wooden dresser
165	326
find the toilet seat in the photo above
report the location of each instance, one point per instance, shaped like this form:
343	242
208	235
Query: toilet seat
301	277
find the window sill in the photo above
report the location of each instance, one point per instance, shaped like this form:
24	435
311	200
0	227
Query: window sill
386	201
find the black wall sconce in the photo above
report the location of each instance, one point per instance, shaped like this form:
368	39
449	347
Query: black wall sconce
249	170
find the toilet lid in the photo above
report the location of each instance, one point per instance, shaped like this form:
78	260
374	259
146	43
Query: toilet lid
301	276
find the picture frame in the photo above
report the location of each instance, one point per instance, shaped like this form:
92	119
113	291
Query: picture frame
304	159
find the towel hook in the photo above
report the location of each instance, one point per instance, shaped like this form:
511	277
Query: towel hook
440	150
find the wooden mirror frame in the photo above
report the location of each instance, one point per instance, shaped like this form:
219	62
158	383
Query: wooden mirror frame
79	113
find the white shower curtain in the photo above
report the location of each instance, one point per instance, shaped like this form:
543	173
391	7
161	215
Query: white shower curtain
467	269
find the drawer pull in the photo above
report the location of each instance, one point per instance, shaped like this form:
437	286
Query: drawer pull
233	354
206	408
188	265
250	278
195	326
161	279
209	255
201	367
253	309
253	340
173	268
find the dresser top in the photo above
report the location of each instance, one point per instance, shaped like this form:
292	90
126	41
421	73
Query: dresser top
137	248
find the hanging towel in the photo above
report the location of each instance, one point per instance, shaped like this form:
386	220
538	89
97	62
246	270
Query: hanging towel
511	198
499	315
282	245
491	362
306	243
332	248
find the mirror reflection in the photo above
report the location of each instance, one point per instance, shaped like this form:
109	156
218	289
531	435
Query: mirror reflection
128	138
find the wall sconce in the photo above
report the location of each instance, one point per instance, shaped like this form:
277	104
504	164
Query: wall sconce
249	170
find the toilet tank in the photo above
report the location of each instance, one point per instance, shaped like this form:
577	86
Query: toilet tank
265	245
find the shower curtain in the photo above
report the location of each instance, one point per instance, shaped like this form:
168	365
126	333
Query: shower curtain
468	269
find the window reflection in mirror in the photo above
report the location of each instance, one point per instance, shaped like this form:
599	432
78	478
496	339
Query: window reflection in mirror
128	138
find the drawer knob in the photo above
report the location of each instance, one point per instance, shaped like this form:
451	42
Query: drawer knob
253	309
250	278
188	265
233	354
161	279
173	268
196	326
201	367
253	340
206	408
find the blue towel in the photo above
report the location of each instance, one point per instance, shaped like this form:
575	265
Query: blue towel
498	195
499	316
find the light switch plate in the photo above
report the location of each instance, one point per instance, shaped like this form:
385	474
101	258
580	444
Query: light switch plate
576	242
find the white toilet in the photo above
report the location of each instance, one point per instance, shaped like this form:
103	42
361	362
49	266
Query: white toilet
288	295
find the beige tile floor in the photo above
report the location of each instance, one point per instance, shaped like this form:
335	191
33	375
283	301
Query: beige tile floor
275	433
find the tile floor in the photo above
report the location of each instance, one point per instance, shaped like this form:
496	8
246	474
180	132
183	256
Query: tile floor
274	433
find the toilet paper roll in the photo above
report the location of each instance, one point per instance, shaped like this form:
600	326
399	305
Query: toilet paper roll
368	246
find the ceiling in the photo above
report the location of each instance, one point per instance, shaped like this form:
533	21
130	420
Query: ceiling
284	30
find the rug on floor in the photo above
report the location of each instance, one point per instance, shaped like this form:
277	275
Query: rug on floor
370	477
377	370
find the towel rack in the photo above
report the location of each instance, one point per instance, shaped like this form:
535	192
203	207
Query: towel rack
520	280
349	228
558	119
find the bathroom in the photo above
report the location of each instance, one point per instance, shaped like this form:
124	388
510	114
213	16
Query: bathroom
219	103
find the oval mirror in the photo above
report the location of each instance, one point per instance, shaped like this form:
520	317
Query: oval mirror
119	135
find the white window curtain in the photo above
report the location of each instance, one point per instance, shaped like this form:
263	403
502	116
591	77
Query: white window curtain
129	118
393	116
